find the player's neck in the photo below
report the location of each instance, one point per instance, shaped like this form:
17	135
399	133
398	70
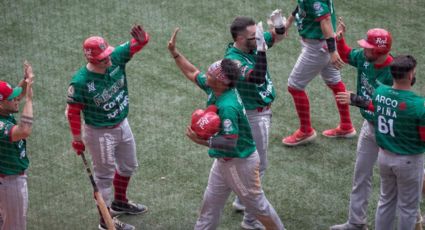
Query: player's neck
95	68
402	85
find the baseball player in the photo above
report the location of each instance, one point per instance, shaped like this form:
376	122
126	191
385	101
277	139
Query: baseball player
372	62
316	21
236	164
99	91
257	92
13	153
400	135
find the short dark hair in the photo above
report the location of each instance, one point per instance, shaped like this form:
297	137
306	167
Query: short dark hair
231	70
239	25
402	65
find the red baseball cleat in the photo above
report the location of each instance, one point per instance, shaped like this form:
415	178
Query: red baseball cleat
339	133
298	138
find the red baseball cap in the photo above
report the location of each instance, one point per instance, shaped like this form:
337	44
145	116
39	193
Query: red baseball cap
7	92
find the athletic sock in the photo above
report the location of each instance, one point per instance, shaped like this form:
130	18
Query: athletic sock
120	187
302	105
344	110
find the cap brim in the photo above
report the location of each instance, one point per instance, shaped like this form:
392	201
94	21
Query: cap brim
364	44
16	92
105	53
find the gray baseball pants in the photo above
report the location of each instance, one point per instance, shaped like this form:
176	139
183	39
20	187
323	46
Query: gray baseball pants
13	202
401	187
313	60
367	153
240	175
111	149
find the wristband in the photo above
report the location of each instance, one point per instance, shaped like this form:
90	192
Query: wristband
331	44
280	30
295	11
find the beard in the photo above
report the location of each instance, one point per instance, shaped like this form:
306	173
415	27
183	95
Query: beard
413	81
371	59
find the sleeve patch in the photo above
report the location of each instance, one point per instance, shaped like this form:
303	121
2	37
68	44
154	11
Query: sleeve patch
227	125
318	8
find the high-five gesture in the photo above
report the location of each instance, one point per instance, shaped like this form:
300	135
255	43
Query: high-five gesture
340	30
139	34
29	79
172	43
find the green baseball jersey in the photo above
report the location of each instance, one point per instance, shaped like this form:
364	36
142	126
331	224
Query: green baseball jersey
398	114
104	96
368	77
253	95
13	157
233	120
309	14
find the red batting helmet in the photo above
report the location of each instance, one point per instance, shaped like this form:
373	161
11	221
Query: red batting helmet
205	123
377	39
96	48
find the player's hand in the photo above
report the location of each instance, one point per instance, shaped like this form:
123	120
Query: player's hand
78	147
139	34
336	60
340	30
29	79
276	18
172	42
195	138
343	97
259	37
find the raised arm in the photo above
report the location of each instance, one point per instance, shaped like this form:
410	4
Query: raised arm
140	39
342	47
24	127
187	68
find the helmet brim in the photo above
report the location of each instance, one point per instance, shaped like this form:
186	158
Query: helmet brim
364	44
16	92
105	53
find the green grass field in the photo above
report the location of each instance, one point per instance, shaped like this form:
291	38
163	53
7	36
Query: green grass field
308	186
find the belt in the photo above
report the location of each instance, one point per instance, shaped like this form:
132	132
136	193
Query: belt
19	174
265	108
225	159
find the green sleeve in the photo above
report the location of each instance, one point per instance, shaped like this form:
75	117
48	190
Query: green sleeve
320	8
201	81
121	54
355	56
75	93
229	121
268	37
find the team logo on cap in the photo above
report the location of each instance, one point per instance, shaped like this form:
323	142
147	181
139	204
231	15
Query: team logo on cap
381	42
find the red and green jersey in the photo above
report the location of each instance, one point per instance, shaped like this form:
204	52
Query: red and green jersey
253	95
369	77
13	157
234	121
104	96
310	13
398	116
